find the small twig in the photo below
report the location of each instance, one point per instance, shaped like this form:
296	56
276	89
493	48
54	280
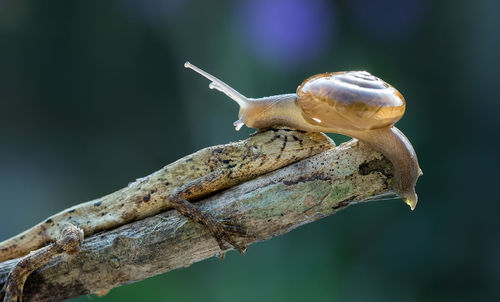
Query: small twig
268	206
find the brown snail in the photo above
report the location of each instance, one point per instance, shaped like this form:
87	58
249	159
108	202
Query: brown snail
353	103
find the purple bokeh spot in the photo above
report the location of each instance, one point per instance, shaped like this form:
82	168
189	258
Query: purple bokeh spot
286	31
388	19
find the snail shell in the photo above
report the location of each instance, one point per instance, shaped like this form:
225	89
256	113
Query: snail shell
350	100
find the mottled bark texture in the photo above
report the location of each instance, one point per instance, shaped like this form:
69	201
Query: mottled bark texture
268	206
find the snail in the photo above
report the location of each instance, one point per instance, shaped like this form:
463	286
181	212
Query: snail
352	103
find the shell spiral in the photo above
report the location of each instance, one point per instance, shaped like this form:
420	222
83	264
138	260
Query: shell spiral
352	100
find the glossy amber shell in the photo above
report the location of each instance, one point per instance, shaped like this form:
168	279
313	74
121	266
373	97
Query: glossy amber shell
351	100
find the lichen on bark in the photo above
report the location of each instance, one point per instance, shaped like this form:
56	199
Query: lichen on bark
267	206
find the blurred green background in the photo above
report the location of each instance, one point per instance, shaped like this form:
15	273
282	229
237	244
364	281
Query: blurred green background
93	95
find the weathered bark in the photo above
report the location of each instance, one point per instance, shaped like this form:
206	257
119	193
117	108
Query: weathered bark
268	206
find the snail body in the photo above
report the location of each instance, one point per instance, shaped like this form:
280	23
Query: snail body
353	103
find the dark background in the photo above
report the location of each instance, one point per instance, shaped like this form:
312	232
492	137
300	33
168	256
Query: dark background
93	94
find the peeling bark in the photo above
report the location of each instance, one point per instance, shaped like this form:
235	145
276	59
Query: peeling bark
268	206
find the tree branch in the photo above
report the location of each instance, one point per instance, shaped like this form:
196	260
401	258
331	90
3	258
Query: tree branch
268	206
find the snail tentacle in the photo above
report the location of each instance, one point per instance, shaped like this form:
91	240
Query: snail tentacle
221	86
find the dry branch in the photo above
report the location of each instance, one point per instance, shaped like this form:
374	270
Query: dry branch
268	206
